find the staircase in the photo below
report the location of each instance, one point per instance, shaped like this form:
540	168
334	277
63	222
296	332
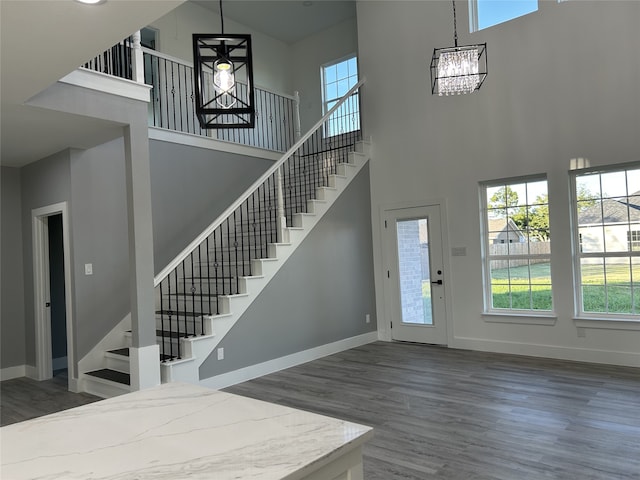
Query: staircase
207	288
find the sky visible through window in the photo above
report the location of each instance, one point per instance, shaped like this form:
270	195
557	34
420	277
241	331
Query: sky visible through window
493	12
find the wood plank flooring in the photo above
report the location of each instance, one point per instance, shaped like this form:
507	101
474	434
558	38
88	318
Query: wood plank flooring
24	398
450	414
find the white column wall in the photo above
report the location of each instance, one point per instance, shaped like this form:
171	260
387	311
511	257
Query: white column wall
562	84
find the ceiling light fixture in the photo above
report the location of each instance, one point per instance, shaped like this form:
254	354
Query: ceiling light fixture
91	2
223	79
458	69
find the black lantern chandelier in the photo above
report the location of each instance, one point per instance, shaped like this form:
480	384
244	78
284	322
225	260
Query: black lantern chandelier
458	69
223	77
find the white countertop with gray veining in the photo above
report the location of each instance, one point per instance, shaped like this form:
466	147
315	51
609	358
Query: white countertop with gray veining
175	431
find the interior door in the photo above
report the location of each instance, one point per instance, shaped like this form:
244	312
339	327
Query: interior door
415	274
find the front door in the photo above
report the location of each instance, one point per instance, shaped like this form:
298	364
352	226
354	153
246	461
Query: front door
415	274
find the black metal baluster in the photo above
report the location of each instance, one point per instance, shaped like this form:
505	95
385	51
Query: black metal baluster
201	290
177	336
228	255
193	294
163	355
173	97
160	79
170	312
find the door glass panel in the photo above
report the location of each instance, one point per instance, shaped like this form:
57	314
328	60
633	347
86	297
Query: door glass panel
414	274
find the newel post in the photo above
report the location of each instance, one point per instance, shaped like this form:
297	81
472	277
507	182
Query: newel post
137	58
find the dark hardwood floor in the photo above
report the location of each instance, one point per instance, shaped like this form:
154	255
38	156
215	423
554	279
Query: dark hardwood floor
450	414
444	414
24	398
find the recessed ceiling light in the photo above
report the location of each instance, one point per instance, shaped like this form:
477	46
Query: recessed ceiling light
91	2
307	3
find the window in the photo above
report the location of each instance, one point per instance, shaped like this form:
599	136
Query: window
337	79
606	208
487	13
517	245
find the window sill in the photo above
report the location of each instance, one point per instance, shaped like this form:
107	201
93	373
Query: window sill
520	318
606	323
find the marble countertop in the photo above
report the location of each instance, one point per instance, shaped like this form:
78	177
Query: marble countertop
175	431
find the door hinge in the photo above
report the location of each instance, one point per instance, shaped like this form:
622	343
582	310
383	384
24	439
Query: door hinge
385	224
391	324
388	275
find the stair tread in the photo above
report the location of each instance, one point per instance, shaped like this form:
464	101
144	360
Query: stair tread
181	313
112	375
120	351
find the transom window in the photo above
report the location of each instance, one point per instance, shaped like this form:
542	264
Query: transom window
487	13
606	208
337	79
517	245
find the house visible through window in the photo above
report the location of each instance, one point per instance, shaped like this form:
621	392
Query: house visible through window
487	13
337	79
606	207
517	245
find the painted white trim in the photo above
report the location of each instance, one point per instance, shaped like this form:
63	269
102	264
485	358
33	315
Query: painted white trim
12	372
495	317
101	82
31	372
629	359
607	324
144	366
254	371
44	369
181	138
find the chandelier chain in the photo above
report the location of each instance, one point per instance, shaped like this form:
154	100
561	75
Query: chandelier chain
222	18
455	29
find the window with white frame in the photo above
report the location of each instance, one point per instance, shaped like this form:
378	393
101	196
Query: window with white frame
517	245
487	13
337	79
606	209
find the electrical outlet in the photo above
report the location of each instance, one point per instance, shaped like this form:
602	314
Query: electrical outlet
221	354
367	318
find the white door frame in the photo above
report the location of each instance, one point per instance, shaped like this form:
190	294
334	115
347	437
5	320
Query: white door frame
41	291
387	293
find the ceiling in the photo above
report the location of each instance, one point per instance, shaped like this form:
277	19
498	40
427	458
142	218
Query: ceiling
286	20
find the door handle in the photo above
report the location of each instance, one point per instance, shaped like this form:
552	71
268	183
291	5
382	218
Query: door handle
437	282
48	304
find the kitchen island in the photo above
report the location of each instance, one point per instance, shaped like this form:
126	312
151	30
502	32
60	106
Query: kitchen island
180	431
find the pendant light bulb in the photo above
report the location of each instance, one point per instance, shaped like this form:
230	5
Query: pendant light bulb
223	77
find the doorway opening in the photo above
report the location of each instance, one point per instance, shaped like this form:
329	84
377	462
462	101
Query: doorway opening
52	294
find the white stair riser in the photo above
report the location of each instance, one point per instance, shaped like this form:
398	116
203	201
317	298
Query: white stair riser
117	362
102	388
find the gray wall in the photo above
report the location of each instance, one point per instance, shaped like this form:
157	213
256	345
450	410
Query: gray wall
100	237
321	295
190	188
12	319
44	183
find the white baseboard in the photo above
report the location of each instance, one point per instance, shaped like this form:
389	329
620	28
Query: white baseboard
288	361
629	359
12	372
31	372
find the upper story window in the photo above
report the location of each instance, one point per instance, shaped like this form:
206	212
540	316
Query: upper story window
337	79
606	208
487	13
517	245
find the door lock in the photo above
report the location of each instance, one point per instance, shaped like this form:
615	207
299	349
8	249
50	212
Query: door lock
48	304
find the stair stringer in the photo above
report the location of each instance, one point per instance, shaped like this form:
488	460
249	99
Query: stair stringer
197	349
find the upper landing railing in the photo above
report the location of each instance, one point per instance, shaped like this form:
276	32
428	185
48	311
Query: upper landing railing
172	102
